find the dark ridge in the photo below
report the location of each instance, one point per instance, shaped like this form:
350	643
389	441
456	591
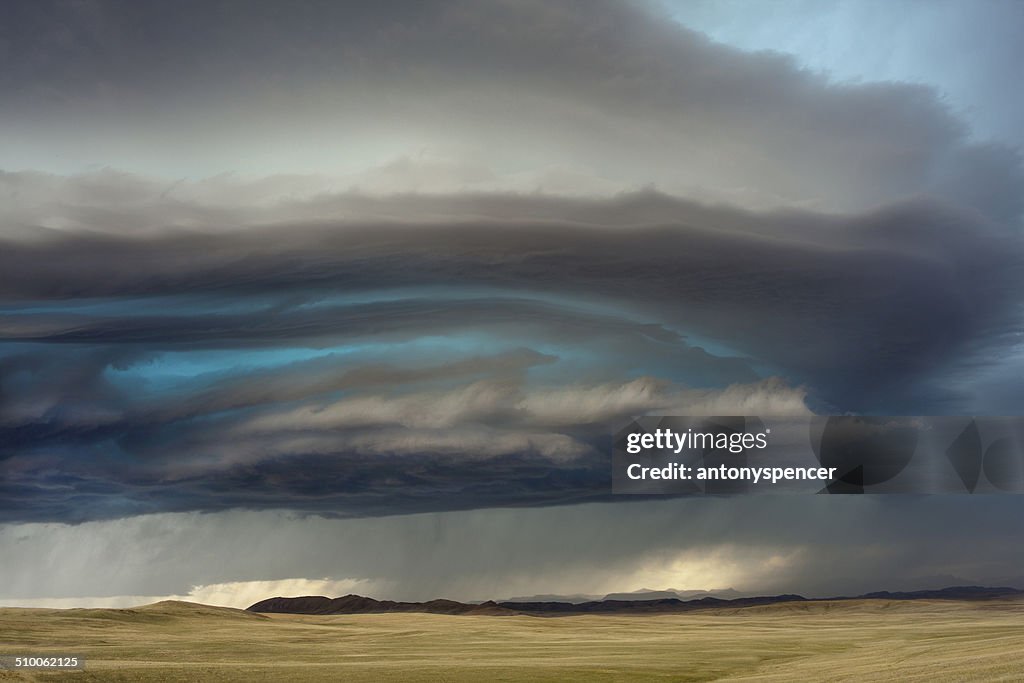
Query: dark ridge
642	606
950	593
357	604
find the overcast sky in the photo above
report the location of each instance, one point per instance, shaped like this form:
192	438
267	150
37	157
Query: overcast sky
331	297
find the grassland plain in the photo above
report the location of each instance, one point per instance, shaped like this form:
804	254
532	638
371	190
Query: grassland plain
858	640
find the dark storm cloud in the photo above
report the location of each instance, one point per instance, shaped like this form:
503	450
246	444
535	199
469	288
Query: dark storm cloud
852	306
608	91
862	310
384	351
269	326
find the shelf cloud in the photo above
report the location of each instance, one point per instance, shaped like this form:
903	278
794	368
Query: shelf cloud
348	264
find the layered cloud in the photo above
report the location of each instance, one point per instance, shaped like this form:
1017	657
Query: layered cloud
360	260
360	366
454	95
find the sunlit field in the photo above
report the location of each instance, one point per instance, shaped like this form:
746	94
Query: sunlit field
835	641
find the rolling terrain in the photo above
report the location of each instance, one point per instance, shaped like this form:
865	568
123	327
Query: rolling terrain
621	603
846	640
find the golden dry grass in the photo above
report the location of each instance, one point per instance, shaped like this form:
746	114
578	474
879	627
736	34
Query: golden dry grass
839	641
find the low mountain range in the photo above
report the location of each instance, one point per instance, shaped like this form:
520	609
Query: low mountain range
641	594
357	604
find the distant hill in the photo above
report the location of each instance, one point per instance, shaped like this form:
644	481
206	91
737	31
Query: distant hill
951	593
661	605
647	594
155	613
641	594
554	597
172	608
356	604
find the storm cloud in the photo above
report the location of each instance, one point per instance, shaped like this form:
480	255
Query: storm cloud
453	95
187	369
332	263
